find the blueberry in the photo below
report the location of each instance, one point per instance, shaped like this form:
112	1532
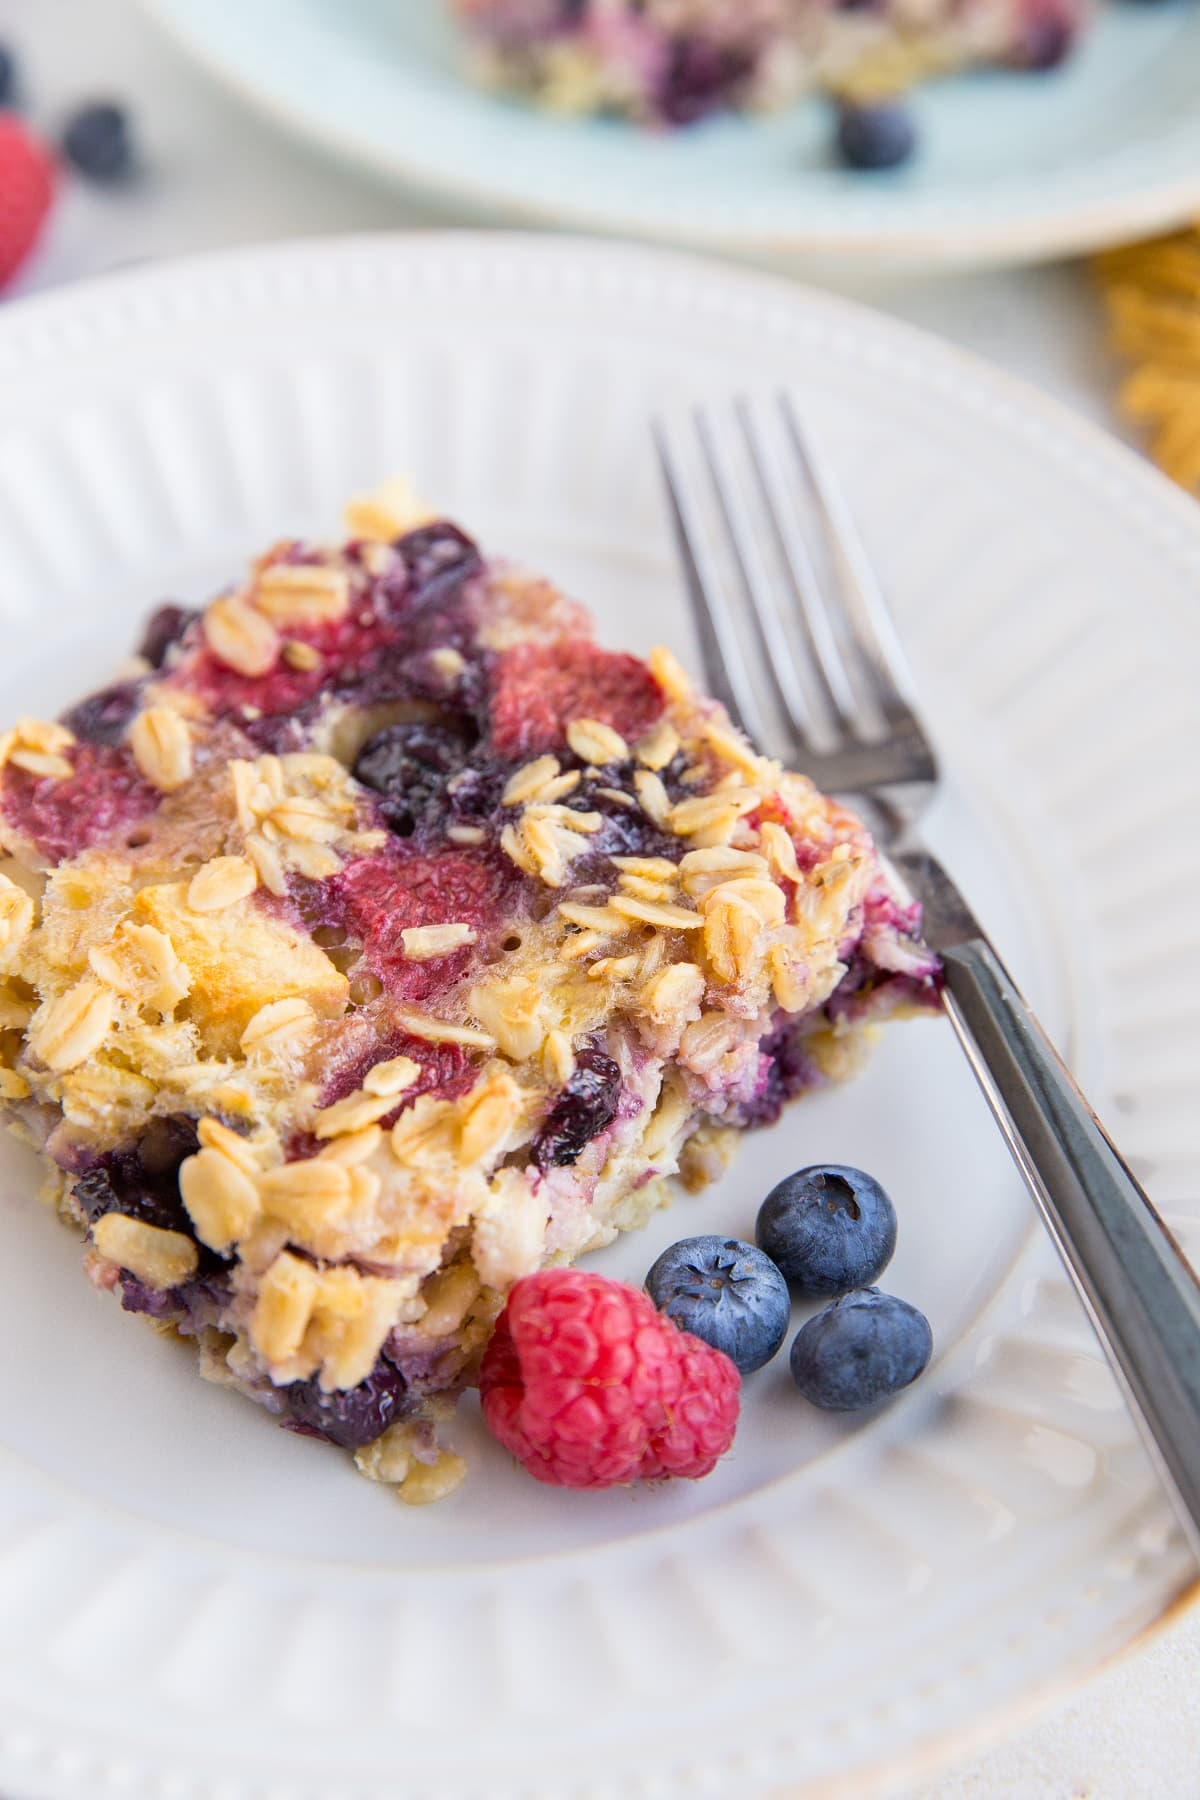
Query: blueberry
727	1293
409	766
104	718
859	1349
439	558
581	1112
1045	41
164	628
475	792
790	1071
8	76
155	1303
354	1416
143	1183
97	141
875	137
829	1229
699	77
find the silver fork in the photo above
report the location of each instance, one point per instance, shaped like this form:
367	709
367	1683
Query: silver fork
833	698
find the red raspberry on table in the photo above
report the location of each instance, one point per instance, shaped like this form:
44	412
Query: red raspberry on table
589	1385
26	190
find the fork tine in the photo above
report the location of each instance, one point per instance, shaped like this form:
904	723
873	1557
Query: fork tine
720	651
861	601
756	585
825	662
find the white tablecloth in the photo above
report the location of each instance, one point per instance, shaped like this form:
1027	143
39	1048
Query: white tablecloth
215	175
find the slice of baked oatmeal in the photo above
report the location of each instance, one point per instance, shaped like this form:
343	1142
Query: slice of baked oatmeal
379	938
668	63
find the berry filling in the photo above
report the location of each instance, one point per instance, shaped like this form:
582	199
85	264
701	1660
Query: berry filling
105	717
104	797
164	629
409	765
377	652
585	1108
700	77
142	1182
376	899
537	689
787	1071
349	1417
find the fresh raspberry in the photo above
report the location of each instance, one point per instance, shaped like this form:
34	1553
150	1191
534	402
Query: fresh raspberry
589	1385
26	190
537	689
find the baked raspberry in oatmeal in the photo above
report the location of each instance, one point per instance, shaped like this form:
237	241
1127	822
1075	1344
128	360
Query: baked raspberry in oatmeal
381	937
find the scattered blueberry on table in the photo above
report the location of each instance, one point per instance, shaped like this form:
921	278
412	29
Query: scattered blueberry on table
828	1229
97	141
879	136
8	76
727	1293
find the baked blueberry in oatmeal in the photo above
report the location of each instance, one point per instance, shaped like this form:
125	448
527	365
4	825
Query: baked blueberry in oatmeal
380	937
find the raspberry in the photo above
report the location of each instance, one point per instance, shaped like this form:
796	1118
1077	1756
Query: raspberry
381	895
26	190
105	796
537	689
589	1386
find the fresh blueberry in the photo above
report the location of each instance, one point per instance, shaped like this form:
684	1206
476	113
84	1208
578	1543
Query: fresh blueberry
354	1416
8	76
727	1293
97	141
859	1349
581	1112
875	137
829	1229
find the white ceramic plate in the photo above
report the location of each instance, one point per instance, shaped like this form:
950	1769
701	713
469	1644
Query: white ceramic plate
1012	167
195	1604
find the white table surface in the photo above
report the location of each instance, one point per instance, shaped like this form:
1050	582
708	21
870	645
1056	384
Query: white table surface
215	175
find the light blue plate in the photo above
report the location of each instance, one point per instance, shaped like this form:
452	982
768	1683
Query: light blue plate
1012	167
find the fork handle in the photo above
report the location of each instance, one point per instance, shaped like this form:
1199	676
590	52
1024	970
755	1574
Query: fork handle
1141	1294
